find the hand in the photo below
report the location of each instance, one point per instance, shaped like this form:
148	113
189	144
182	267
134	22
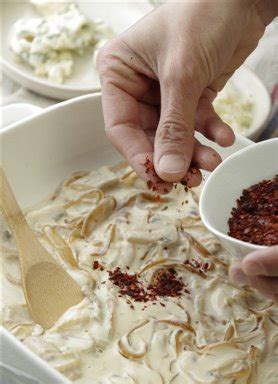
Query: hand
160	77
260	270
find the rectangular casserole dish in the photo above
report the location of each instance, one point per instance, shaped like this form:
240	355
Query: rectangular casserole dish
37	153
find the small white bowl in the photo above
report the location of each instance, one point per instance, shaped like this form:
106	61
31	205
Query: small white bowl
225	185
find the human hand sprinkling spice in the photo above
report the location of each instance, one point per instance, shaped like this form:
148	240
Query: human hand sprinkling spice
160	77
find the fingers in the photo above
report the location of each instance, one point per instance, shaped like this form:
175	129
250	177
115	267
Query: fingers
152	96
210	124
263	262
123	125
124	119
193	177
236	273
205	157
267	286
149	117
259	270
174	141
264	284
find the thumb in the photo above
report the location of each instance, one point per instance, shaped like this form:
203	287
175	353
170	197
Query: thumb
174	141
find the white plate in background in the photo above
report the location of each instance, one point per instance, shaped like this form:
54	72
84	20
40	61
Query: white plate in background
118	15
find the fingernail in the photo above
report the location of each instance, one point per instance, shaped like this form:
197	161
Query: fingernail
238	276
172	163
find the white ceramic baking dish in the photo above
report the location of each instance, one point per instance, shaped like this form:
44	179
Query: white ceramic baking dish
37	153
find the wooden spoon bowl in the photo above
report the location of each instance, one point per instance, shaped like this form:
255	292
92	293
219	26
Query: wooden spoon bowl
49	290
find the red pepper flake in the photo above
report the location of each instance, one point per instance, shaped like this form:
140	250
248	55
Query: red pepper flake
149	184
205	266
149	167
255	219
128	284
184	183
165	284
97	265
150	170
197	264
153	185
193	170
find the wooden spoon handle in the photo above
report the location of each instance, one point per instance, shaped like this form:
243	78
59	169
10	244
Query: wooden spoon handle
30	250
9	206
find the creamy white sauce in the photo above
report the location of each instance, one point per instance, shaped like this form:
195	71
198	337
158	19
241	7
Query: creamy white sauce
217	333
49	42
235	108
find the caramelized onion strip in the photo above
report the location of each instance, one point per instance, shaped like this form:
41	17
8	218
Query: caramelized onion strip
94	194
125	351
61	245
13	280
108	238
75	176
100	213
182	324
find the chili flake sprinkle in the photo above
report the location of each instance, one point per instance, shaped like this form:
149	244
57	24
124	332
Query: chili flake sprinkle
150	170
153	184
255	219
128	285
165	284
97	265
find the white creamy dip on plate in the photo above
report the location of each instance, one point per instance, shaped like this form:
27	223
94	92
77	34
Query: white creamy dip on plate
235	108
49	42
214	331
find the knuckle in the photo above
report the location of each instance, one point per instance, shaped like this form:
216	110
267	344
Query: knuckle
177	76
173	129
181	71
106	58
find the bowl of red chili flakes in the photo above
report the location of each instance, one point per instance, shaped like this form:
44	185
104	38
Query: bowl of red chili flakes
239	201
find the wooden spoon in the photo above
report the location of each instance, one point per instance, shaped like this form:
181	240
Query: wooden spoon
49	290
